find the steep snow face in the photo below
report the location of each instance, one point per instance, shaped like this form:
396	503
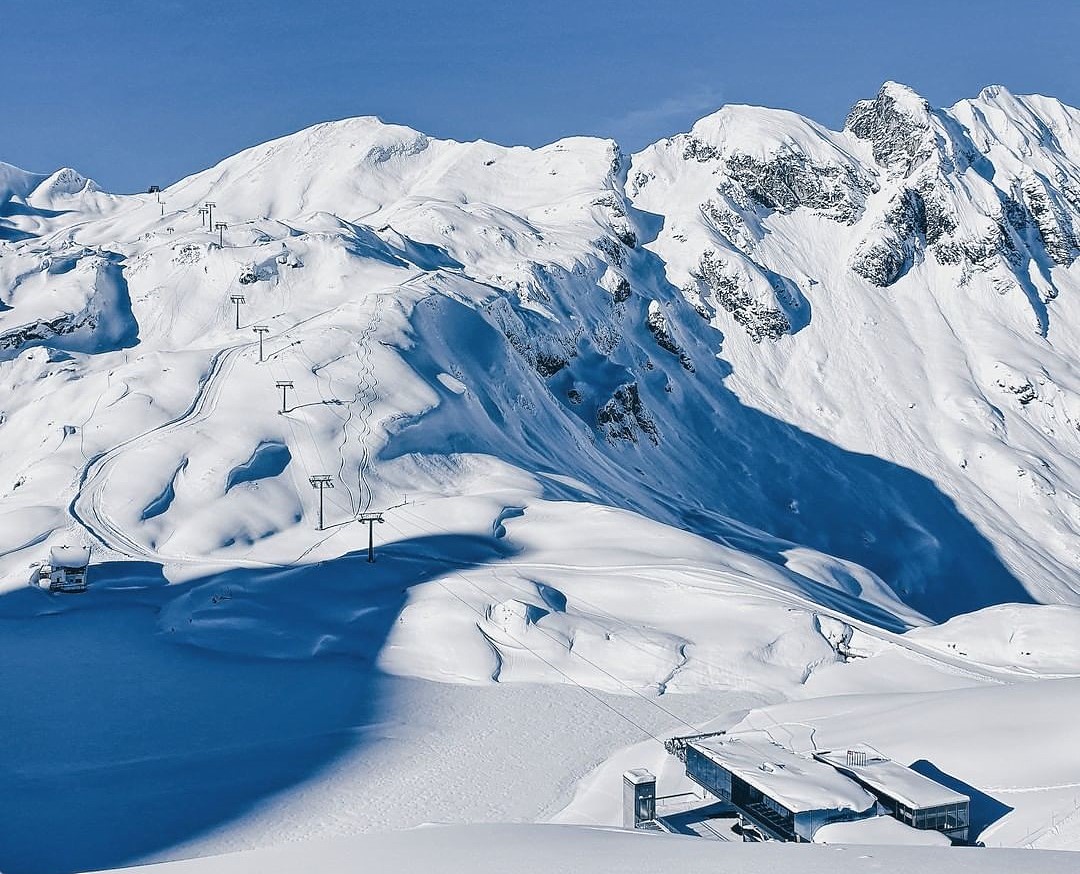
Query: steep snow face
903	288
16	183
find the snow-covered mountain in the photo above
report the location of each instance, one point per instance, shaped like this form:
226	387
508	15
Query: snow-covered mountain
861	343
693	415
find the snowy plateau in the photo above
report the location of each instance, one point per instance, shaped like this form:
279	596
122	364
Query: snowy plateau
767	427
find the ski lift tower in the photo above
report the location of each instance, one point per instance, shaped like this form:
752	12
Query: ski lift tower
322	482
371	519
237	299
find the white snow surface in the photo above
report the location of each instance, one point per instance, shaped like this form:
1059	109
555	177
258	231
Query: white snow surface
766	424
800	783
878	830
494	849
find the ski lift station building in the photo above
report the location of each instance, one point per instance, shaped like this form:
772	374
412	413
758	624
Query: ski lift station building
905	794
784	796
790	797
66	570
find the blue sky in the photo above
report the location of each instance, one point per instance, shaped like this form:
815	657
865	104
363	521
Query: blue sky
136	92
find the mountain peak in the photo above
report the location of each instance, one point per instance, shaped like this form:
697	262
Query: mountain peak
896	123
995	92
904	97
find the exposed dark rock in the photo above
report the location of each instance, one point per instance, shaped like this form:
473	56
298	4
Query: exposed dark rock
897	124
42	330
729	223
789	179
759	320
621	225
614	252
620	292
657	324
639	180
889	251
940	221
1050	218
698	150
624	416
548	365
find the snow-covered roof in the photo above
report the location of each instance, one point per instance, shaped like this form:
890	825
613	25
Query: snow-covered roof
797	782
879	830
891	778
69	556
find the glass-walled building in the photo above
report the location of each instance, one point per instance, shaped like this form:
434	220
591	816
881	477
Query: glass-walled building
907	795
779	794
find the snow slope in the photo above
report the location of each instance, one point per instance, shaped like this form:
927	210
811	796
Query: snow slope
673	432
552	849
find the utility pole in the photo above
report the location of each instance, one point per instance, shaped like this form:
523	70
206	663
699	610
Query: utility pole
237	299
202	214
210	213
284	385
321	482
371	519
262	331
220	228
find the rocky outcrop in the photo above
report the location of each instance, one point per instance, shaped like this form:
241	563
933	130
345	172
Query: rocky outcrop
731	291
44	330
624	417
657	324
1050	217
889	250
789	179
897	125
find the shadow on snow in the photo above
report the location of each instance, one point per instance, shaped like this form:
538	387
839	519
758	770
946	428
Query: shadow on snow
985	810
718	468
125	730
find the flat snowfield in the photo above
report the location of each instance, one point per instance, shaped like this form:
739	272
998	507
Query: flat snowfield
550	849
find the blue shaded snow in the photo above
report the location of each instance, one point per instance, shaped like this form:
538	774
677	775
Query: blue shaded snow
268	460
